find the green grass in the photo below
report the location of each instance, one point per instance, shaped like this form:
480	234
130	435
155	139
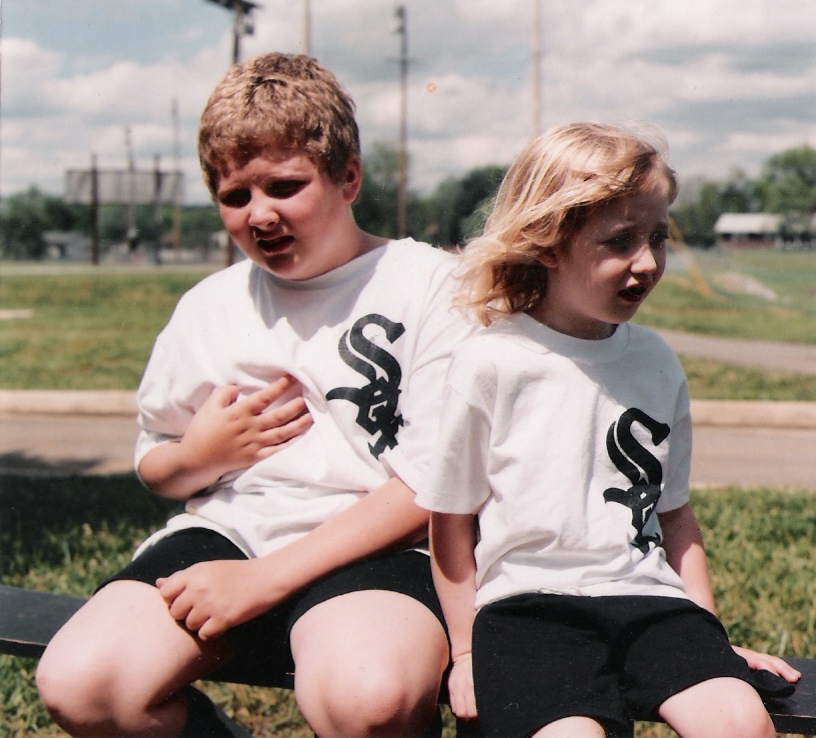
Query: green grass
65	535
88	330
679	302
711	380
94	328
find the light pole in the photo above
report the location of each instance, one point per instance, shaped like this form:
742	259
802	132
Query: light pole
402	155
241	22
536	66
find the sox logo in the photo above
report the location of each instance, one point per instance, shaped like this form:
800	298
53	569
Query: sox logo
640	467
377	402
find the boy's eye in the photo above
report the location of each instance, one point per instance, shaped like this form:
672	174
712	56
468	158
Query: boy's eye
234	198
285	188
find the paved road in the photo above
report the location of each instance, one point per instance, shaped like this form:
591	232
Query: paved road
763	354
748	444
777	457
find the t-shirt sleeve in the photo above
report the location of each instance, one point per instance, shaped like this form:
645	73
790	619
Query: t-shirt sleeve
458	481
441	328
169	393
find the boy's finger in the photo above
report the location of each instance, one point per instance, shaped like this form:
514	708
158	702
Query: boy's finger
279	434
262	398
287	412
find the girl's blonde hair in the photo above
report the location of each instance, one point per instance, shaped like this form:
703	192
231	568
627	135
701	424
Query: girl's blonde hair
544	199
276	104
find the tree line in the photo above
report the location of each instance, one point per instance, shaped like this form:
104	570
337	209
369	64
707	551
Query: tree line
449	215
785	186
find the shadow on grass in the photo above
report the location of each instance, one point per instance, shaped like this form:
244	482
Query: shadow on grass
38	514
16	462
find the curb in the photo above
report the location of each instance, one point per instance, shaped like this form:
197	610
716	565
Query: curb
726	413
60	402
754	414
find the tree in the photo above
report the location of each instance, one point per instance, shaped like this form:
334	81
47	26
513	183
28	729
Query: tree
24	219
788	182
376	207
460	205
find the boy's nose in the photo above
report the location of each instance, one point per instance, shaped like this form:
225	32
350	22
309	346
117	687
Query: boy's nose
262	214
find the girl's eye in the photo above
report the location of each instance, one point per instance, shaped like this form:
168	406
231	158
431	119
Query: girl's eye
285	188
234	198
619	243
658	239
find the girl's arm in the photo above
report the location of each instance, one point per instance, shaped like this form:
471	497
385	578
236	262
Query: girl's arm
226	433
214	596
683	544
453	539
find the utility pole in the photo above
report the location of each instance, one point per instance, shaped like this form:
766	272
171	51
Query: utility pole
241	26
536	67
177	194
402	154
94	211
307	28
132	235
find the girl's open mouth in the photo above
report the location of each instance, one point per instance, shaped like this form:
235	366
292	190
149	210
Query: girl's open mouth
634	294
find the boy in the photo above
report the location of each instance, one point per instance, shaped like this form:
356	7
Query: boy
295	548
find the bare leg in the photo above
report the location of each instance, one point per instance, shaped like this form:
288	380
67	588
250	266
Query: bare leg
718	708
572	727
368	664
117	666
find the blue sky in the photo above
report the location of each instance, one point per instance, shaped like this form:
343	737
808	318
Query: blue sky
729	82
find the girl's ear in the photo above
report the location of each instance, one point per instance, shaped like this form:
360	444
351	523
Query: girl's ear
353	180
548	256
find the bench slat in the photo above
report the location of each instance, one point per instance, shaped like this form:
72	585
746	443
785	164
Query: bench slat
29	619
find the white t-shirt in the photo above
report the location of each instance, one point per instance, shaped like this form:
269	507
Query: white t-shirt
564	448
370	342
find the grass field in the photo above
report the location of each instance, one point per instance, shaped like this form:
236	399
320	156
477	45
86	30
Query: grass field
65	535
93	329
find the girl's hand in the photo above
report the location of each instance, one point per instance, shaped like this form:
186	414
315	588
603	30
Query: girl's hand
460	687
770	663
229	432
211	597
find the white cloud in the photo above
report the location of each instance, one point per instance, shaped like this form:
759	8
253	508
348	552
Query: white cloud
730	81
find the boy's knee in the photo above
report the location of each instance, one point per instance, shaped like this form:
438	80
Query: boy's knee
76	688
368	703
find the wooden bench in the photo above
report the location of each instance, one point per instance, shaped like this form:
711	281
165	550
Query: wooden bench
28	620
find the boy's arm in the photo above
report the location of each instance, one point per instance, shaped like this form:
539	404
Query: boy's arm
453	539
225	434
683	544
215	596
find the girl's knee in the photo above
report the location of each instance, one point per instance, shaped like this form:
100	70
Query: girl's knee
725	707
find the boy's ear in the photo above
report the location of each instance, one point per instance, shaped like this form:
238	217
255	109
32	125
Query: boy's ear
353	180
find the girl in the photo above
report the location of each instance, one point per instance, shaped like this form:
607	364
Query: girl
566	431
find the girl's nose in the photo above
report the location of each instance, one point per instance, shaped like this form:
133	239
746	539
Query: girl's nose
645	261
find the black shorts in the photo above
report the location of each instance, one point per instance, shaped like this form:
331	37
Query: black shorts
538	658
261	646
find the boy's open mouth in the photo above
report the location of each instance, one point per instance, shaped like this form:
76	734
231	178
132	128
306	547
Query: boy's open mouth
274	245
